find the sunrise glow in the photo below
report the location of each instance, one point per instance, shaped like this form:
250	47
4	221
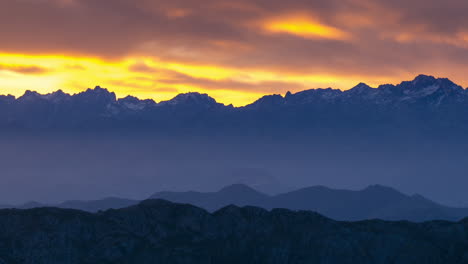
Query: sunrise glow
149	78
304	27
235	52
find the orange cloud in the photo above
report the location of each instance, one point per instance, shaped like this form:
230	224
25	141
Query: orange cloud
234	50
303	26
23	69
178	12
156	79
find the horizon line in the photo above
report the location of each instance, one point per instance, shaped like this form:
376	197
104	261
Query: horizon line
109	90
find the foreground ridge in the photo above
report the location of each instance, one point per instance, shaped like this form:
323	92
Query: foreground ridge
164	232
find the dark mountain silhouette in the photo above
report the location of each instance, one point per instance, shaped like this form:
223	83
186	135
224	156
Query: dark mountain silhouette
89	206
97	205
30	205
424	102
372	202
238	194
157	231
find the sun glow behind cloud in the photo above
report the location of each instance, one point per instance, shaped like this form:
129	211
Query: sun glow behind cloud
303	26
147	77
235	52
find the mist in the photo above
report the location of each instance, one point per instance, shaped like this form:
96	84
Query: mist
50	168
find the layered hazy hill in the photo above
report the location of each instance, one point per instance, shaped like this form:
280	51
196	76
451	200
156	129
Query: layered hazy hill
410	136
373	202
157	231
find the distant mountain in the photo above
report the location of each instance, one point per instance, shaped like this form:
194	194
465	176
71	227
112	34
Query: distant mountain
425	102
30	205
372	202
89	206
237	194
157	231
98	205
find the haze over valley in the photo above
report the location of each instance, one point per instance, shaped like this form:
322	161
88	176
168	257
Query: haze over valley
92	145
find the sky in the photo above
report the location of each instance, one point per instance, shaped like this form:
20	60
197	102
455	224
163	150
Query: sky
236	51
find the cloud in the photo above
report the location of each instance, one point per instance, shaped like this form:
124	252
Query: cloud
146	87
303	26
141	67
165	77
75	67
384	40
174	77
23	69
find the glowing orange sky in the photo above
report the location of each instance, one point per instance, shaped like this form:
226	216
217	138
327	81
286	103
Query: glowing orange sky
235	52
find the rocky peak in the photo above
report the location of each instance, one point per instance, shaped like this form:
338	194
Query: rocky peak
30	96
54	97
267	101
314	95
129	99
57	96
97	95
7	98
192	99
423	80
424	84
360	89
436	90
134	103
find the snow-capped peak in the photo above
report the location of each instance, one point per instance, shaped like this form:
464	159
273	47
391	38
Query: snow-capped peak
192	98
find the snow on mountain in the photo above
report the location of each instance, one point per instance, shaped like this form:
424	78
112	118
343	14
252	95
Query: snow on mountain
422	87
192	98
133	103
424	94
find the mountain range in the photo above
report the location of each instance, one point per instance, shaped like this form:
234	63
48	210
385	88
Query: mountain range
157	231
88	206
424	102
373	202
411	135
